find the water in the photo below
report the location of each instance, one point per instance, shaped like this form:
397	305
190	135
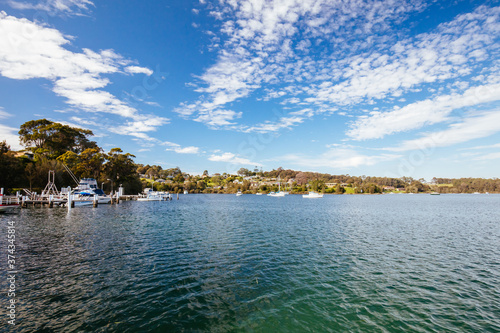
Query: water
222	263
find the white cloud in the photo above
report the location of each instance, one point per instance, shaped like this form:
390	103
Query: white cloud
232	159
337	158
496	145
137	70
218	118
139	127
29	50
185	150
470	128
64	6
268	126
4	114
419	114
258	44
488	157
10	135
356	59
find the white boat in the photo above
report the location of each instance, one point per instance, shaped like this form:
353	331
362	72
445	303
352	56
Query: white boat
83	194
79	202
239	193
6	204
312	195
186	192
279	193
155	196
259	193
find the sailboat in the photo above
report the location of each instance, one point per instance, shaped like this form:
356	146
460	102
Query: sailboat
279	193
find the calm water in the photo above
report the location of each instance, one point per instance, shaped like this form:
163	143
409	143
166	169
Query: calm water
222	263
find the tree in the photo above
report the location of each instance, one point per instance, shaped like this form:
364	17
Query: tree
11	168
90	163
317	185
30	174
244	172
301	178
179	178
121	169
339	189
48	138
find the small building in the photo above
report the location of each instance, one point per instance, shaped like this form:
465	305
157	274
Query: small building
24	153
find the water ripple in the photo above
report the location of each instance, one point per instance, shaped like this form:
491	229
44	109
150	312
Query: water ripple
220	263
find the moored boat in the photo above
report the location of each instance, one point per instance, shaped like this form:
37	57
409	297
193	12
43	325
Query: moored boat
312	195
6	204
155	196
85	192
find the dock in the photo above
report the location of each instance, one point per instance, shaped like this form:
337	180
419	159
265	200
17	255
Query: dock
55	201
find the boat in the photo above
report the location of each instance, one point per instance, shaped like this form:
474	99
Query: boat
186	192
85	192
276	194
155	196
6	204
435	193
259	193
79	202
312	195
279	193
239	194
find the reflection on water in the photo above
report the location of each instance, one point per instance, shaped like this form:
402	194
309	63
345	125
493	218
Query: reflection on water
227	263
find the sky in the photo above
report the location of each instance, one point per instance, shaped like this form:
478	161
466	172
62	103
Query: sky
378	88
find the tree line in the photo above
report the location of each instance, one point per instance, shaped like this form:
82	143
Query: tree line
54	145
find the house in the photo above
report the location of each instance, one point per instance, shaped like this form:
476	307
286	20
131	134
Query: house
160	180
330	184
388	188
24	153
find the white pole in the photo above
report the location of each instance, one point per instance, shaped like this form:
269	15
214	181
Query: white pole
70	199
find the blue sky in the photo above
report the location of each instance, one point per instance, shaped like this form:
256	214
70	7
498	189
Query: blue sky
385	88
